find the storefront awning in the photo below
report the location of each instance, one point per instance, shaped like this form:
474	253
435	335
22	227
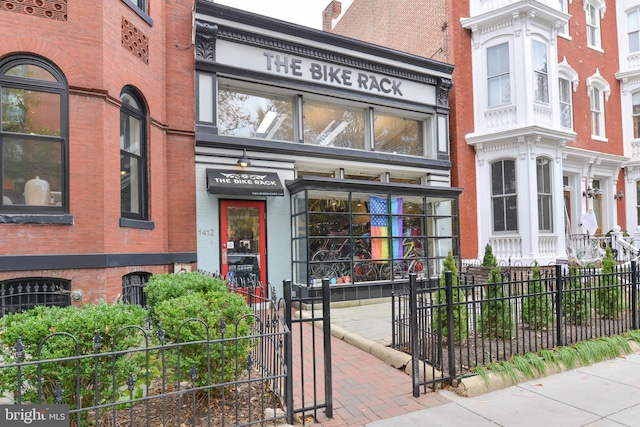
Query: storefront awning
244	183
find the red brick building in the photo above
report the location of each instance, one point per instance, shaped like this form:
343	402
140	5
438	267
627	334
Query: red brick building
97	150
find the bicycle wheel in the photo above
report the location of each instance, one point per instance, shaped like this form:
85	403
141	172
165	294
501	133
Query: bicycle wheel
322	271
364	272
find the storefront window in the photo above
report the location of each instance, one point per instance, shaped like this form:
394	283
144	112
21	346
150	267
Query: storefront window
356	237
398	135
332	125
254	115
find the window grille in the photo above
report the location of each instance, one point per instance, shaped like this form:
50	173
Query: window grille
17	295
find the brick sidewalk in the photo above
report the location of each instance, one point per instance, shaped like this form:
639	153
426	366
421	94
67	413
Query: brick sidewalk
365	389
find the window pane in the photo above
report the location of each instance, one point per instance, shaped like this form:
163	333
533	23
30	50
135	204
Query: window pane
29	159
496	178
129	101
130	134
30	71
634	42
511	213
246	114
398	135
498	214
539	59
509	177
332	125
130	184
565	104
498	59
28	111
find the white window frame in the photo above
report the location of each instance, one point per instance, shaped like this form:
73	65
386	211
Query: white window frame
501	76
633	31
598	90
635	114
507	197
564	7
594	13
541	73
566	72
545	195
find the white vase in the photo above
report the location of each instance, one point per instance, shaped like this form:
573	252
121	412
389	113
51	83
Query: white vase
37	192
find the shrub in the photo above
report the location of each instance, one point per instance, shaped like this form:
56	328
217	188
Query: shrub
608	294
576	301
439	319
536	305
497	310
195	314
163	287
34	325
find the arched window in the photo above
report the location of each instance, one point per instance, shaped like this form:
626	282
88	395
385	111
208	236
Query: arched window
504	199
33	136
133	156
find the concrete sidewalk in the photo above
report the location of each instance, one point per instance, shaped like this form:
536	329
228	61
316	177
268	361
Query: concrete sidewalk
604	394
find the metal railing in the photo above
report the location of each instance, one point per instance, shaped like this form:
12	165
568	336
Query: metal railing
223	389
451	328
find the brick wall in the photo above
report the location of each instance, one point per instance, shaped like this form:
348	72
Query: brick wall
89	49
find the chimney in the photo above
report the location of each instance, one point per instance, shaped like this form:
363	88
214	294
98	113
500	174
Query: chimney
331	12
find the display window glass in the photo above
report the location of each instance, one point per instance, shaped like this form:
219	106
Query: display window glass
398	135
252	114
357	237
332	125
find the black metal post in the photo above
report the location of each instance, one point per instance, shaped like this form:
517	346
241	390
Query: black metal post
559	310
288	351
413	324
326	333
451	342
634	294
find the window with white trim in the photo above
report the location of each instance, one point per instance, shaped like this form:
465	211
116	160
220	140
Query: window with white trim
564	7
504	199
566	107
633	31
540	71
498	75
545	201
598	90
635	100
593	26
567	84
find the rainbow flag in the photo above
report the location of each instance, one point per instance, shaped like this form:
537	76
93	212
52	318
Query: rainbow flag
379	227
378	208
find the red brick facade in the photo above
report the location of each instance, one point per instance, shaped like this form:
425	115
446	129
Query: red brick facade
94	49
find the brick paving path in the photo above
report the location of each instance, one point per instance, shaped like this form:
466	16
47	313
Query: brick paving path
365	389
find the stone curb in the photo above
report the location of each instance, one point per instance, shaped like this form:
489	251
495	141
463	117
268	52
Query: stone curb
475	385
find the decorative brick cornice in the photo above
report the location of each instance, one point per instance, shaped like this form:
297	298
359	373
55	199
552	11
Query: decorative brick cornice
135	41
51	9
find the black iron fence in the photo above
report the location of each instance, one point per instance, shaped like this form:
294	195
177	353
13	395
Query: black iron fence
169	381
458	326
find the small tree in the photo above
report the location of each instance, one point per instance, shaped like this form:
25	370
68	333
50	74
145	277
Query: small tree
576	302
440	319
609	302
536	305
496	309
